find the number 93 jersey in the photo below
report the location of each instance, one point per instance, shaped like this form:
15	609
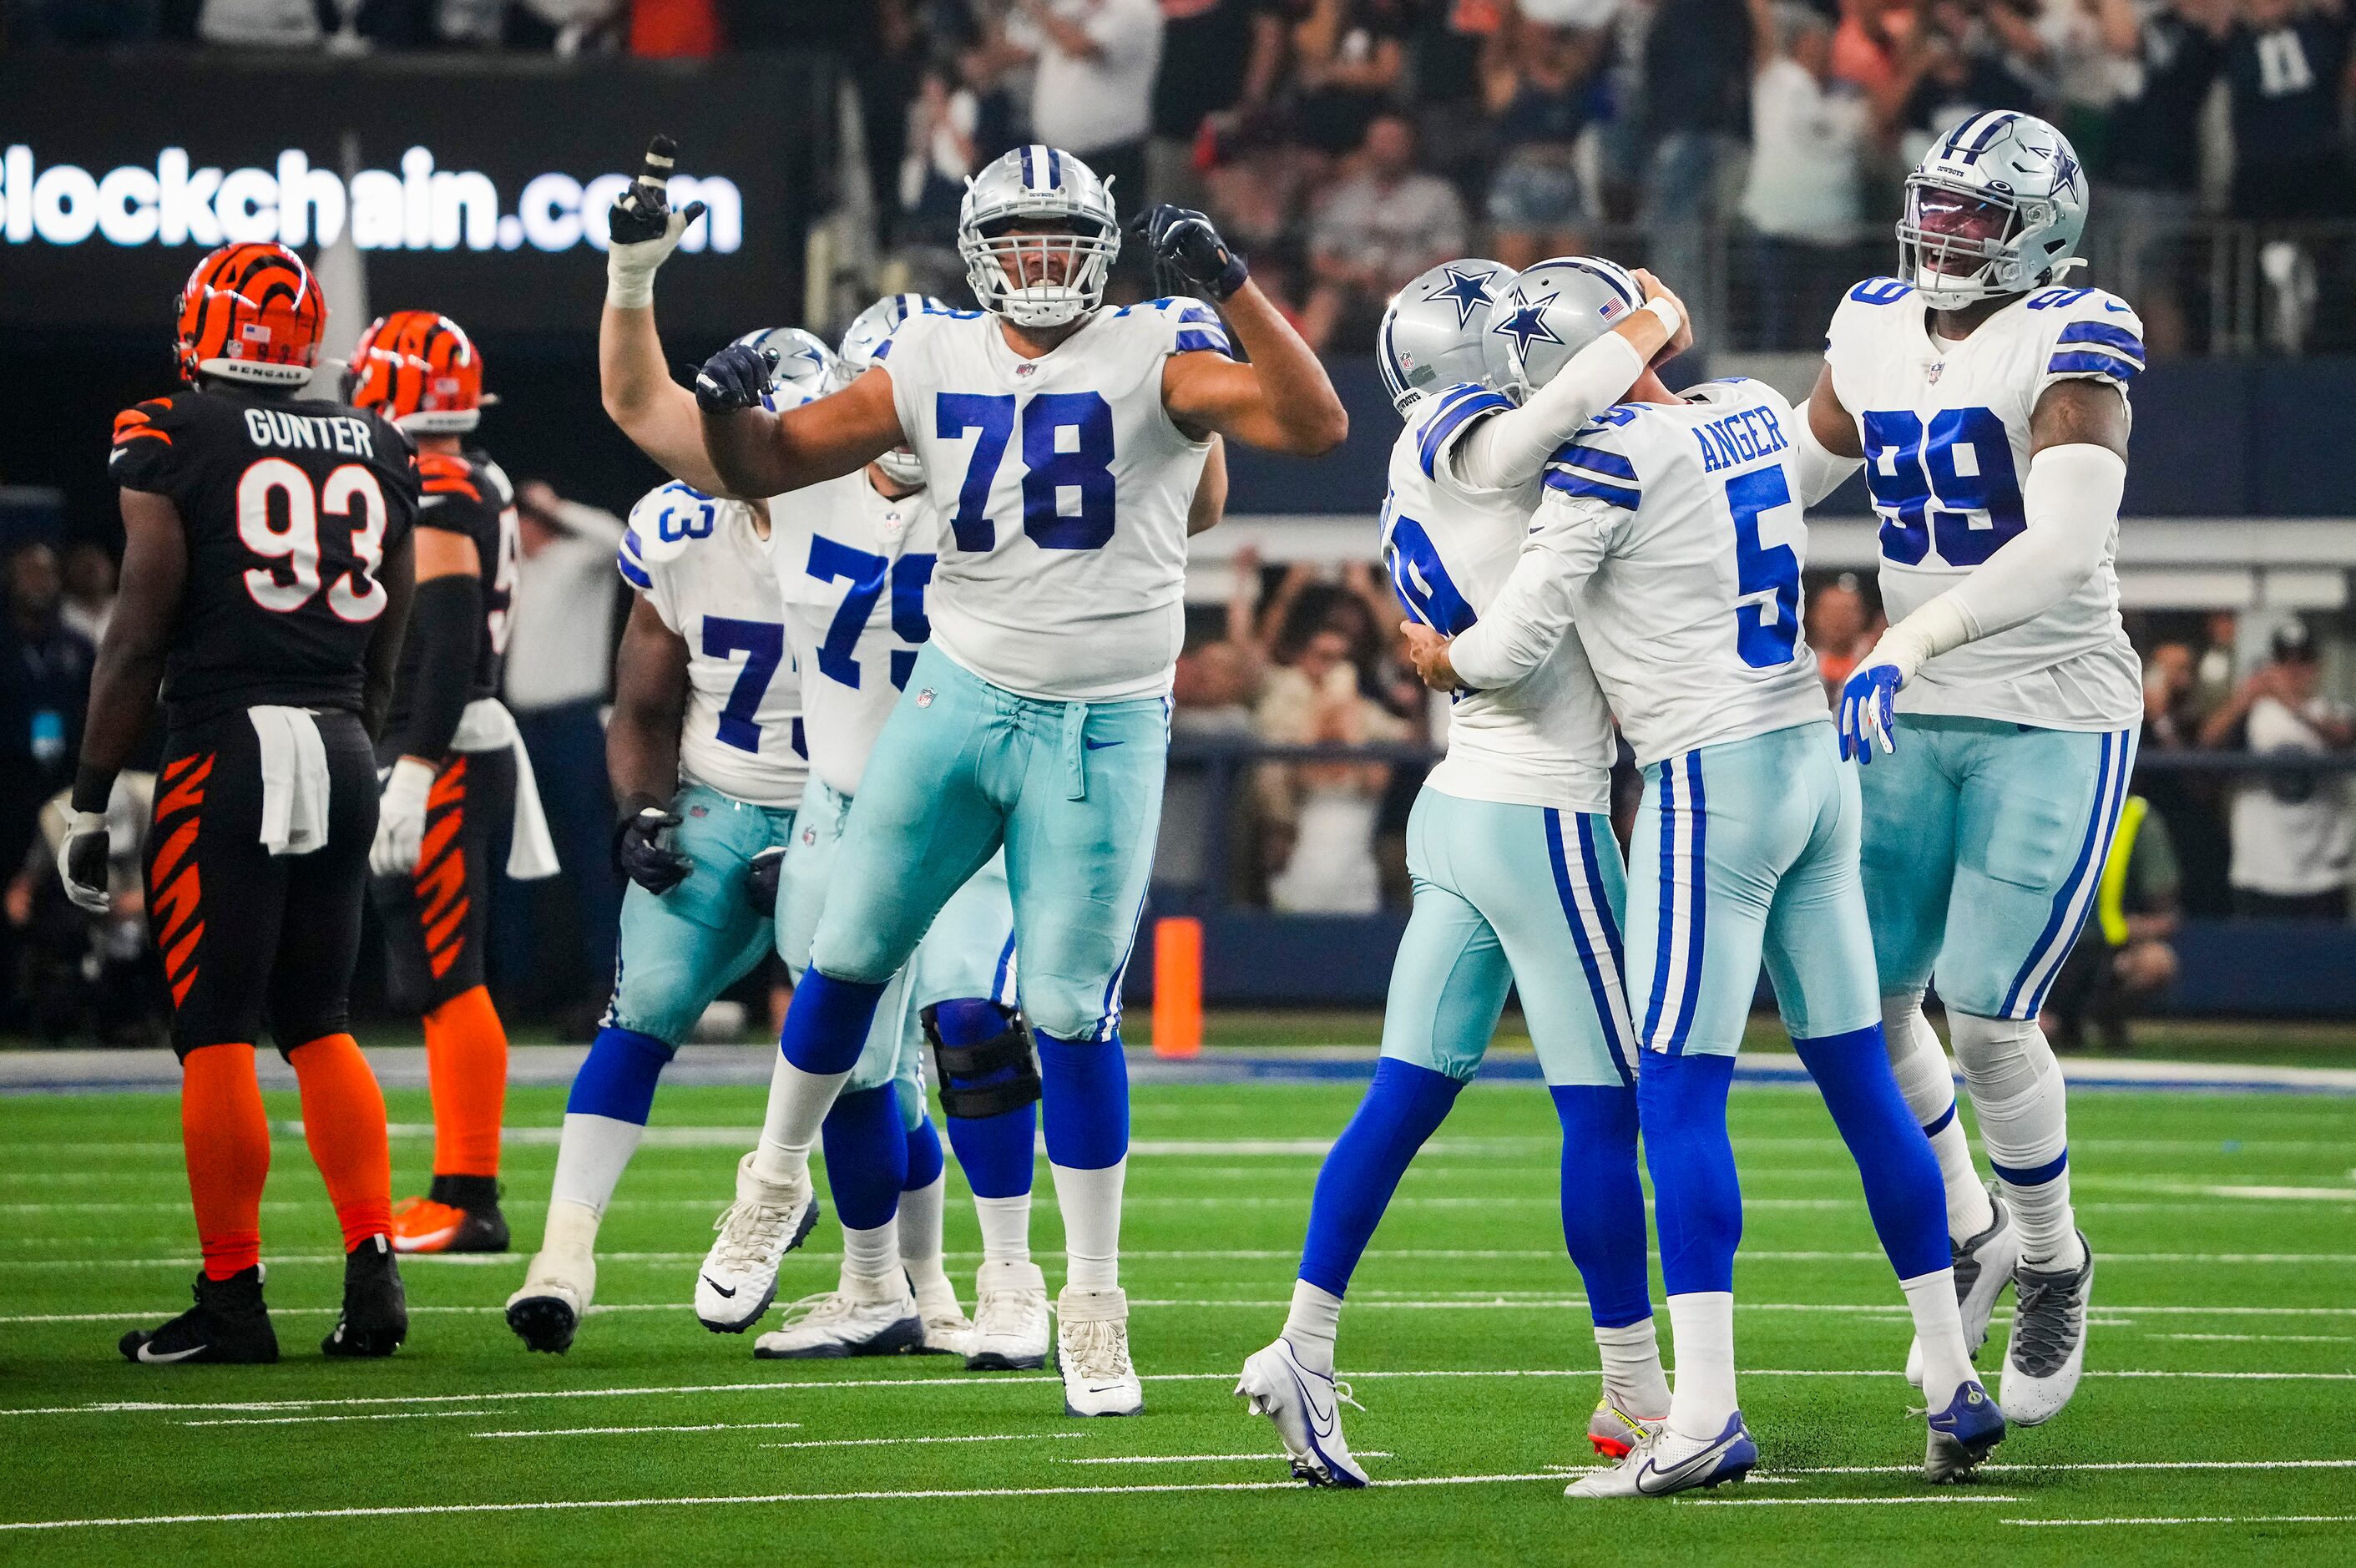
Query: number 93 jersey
703	566
852	566
1546	740
1680	525
1945	429
1063	563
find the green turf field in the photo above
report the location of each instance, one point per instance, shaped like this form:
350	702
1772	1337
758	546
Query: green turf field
2219	1412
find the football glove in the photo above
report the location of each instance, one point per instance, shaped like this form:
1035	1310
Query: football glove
81	862
1869	710
761	881
1185	240
734	378
643	229
642	855
401	818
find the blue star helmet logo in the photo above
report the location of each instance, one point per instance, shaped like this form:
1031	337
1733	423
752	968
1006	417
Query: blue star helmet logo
1527	324
1468	290
2066	171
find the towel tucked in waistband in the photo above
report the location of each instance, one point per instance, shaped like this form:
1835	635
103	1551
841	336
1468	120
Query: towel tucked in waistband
294	782
487	725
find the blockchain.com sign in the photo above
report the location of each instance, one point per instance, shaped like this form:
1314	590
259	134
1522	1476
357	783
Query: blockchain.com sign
479	188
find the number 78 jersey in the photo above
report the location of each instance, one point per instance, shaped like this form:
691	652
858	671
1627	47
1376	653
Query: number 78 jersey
1945	430
1066	488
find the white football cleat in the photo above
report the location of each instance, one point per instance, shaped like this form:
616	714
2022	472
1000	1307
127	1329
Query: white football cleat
1984	1266
739	1277
1009	1319
557	1287
947	1329
1664	1464
1306	1406
859	1317
1092	1352
2048	1350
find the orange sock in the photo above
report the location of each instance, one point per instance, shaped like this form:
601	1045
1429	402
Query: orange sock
467	1066
343	1120
228	1140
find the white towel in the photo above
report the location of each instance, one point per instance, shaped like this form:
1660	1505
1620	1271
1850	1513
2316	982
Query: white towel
294	783
487	725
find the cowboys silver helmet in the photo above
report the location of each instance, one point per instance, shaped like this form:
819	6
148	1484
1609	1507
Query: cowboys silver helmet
1038	279
806	370
1553	310
863	345
1995	207
1431	336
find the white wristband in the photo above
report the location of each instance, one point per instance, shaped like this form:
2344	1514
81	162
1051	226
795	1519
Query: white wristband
1670	317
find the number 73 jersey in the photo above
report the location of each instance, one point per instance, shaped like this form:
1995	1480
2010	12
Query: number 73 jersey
1066	488
701	563
1945	429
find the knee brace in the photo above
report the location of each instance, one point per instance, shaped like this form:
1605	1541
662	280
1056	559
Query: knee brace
1918	1061
984	1073
2017	1091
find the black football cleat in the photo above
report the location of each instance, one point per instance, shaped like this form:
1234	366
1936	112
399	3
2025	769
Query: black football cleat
229	1325
375	1318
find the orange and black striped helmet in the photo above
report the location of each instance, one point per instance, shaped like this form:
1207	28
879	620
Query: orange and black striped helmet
420	371
251	313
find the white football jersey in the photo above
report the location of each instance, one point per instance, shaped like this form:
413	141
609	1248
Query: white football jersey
702	563
1945	431
1546	740
852	568
1066	488
1671	535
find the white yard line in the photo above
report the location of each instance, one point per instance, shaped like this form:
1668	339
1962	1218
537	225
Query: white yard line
1210	1458
2097	1465
305	1420
618	1431
2194	1519
1936	1497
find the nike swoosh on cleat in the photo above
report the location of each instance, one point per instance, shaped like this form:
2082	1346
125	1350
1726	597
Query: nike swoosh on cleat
728	1291
1683	1467
1321	1422
149	1354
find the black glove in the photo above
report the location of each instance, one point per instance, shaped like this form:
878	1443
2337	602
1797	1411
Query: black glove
640	855
1184	239
761	882
642	212
735	380
81	863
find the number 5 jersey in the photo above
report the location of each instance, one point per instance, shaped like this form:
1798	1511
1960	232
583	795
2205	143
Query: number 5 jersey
288	507
1945	428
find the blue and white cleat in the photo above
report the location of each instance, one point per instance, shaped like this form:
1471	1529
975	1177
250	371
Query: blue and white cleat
1307	1409
1664	1464
2047	1353
1962	1435
739	1277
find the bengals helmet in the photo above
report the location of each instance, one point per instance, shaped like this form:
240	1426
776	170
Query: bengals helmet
251	313
420	371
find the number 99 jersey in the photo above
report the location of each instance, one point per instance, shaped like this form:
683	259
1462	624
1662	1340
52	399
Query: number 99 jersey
701	565
1546	740
1945	429
288	507
1063	563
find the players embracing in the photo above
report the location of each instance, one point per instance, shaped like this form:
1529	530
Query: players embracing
1035	720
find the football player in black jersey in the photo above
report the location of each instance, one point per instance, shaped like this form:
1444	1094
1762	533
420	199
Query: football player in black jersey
450	791
267	571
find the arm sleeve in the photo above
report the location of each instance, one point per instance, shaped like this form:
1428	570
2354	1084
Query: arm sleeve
445	620
1505	450
1821	470
1526	622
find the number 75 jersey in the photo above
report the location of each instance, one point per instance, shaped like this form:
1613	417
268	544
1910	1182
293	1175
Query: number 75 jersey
1945	430
1066	488
699	562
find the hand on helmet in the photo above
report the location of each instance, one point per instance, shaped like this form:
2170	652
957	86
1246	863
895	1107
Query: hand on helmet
643	229
1186	239
735	379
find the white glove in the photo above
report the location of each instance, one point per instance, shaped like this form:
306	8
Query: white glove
81	863
401	818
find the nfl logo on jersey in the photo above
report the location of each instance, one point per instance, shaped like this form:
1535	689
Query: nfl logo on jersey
1932	373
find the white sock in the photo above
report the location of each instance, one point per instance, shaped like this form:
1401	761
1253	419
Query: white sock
1314	1320
1632	1368
590	1157
1005	1227
1939	1328
799	1101
570	1225
1091	1204
1919	1064
871	1254
920	1233
1702	1325
2024	1117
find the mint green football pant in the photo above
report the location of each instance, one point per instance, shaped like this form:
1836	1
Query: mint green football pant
1071	792
679	949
